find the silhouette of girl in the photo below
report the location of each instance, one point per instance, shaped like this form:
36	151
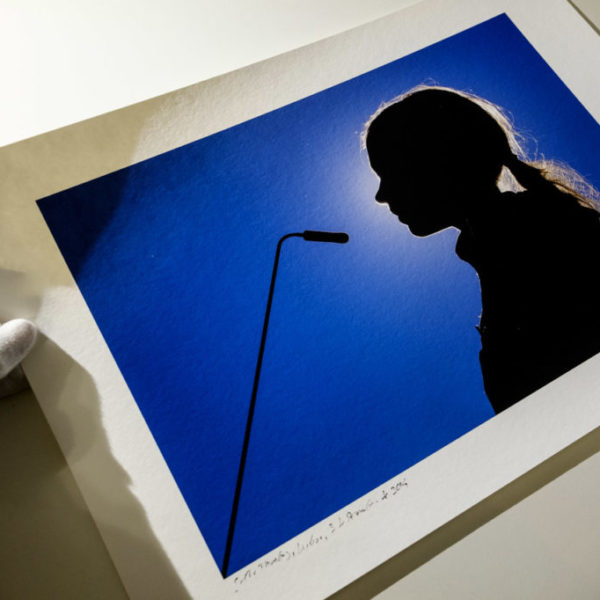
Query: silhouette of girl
442	158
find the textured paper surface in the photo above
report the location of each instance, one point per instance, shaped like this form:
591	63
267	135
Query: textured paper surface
88	404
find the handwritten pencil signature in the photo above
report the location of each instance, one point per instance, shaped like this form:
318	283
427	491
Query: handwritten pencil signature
314	539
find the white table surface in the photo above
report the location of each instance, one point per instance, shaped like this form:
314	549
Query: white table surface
65	61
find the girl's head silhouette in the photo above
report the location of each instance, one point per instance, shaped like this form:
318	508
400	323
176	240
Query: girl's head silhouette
440	155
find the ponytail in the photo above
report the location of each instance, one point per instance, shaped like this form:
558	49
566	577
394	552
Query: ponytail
552	177
527	175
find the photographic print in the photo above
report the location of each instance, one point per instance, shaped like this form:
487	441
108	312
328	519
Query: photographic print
299	317
372	352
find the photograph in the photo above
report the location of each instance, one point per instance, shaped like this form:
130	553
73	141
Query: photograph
308	303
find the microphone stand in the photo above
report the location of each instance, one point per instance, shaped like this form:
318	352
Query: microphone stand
316	236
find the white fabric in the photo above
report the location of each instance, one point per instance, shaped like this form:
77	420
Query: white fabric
17	337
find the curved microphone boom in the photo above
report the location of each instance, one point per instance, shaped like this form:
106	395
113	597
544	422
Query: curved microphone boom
310	236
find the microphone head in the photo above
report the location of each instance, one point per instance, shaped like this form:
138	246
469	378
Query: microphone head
325	236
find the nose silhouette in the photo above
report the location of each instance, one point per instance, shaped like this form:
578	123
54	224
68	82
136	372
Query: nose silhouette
380	195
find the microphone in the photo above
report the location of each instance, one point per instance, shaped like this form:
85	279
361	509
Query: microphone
325	236
309	236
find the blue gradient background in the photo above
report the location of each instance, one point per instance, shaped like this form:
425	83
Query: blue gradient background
371	362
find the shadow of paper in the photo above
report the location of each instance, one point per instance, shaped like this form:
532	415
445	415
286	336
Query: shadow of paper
51	547
587	19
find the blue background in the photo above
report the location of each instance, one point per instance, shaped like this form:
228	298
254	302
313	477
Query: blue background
371	362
